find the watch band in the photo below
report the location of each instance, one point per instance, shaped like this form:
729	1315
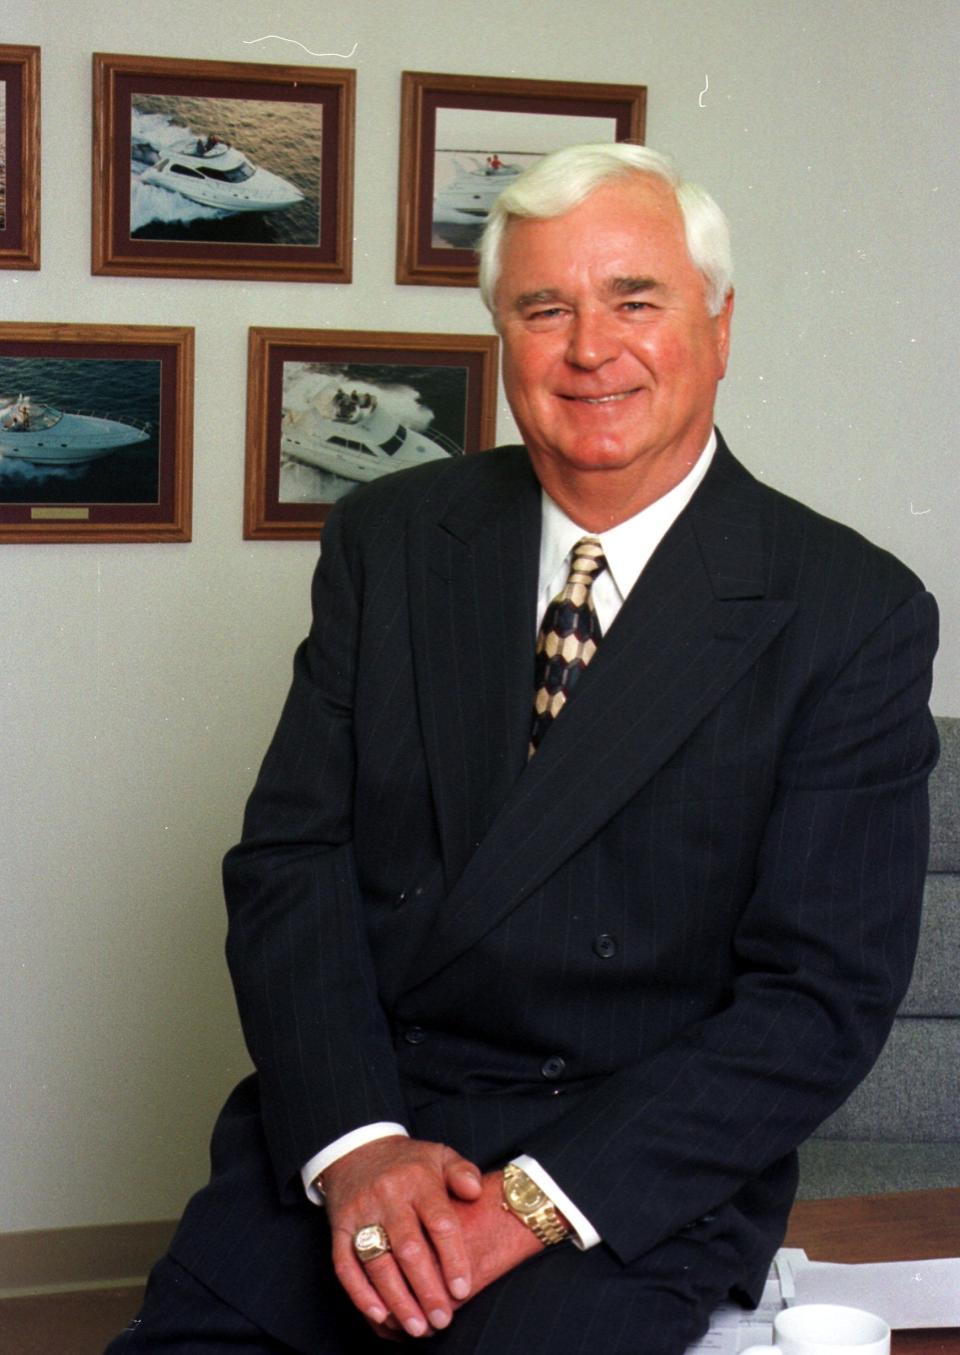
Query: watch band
547	1226
523	1198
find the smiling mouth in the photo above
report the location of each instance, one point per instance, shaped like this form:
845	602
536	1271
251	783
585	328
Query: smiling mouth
601	399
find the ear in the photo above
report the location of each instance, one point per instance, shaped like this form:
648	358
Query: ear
722	322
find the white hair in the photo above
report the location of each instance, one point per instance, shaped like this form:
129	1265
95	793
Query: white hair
563	179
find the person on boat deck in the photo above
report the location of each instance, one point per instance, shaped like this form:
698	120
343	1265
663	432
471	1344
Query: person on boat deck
581	880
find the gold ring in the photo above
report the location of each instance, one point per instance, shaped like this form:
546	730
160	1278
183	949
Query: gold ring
370	1242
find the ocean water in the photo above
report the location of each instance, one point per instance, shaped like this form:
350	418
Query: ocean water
284	138
128	389
428	399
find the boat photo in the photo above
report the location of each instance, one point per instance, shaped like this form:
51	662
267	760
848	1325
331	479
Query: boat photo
467	198
350	433
215	174
46	436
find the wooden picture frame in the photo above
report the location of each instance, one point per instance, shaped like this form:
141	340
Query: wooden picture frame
218	169
327	409
19	157
96	433
446	191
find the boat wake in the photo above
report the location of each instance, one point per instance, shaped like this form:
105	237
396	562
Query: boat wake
304	386
151	135
14	469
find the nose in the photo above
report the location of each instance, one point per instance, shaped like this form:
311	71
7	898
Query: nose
592	340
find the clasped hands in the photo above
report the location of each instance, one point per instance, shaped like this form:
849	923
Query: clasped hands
448	1234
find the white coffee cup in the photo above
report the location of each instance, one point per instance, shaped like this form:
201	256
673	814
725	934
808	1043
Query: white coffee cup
826	1329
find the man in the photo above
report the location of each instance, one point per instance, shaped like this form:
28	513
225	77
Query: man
542	993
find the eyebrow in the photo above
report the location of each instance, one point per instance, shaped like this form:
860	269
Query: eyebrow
629	286
539	298
617	286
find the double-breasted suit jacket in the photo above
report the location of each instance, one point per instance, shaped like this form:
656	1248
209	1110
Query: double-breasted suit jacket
656	955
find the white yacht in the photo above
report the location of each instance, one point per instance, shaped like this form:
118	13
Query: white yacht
215	174
468	198
352	435
36	432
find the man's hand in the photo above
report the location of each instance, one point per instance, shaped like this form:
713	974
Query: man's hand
412	1189
496	1240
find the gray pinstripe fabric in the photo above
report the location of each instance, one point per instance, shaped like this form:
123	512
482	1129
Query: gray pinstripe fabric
752	854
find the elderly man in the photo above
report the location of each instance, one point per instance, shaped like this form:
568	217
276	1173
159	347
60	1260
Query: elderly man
581	879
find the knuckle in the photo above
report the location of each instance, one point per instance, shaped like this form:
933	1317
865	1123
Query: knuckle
398	1298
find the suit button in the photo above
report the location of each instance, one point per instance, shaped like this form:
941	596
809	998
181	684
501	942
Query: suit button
605	946
553	1067
415	1035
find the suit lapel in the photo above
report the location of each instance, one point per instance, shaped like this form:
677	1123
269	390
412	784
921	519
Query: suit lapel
695	622
473	591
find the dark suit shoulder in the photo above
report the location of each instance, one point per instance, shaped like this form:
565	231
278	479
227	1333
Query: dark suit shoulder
803	553
483	480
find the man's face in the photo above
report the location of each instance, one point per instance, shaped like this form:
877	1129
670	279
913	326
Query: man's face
611	361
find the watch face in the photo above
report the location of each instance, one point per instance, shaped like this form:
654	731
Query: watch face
524	1194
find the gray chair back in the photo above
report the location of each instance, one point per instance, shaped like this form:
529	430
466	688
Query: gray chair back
900	1130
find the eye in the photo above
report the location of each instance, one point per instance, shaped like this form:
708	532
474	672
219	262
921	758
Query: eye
545	314
635	306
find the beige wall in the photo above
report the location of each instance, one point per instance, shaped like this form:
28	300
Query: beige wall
139	684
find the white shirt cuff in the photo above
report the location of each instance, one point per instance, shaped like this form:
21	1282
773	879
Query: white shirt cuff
346	1143
585	1235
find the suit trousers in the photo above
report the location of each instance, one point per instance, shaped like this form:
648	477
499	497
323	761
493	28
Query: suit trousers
563	1302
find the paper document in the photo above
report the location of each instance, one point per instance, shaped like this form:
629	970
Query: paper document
733	1328
907	1294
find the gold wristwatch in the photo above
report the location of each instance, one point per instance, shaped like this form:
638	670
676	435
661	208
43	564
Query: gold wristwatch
526	1200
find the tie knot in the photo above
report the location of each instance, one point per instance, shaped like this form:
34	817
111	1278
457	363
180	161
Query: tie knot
588	555
587	561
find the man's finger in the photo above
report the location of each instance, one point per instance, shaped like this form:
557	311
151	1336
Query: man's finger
388	1331
394	1288
353	1278
446	1237
461	1177
414	1254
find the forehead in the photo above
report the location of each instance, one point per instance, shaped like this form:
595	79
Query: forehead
631	226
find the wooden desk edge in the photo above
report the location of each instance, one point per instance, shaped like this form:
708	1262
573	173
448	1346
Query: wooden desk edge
911	1225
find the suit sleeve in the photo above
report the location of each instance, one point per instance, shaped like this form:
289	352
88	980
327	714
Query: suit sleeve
822	956
296	942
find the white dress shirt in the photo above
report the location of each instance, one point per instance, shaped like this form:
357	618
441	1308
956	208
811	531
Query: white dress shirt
627	548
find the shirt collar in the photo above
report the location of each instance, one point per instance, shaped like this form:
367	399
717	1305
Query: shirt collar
629	545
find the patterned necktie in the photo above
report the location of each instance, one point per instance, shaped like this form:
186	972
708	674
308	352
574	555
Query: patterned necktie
569	634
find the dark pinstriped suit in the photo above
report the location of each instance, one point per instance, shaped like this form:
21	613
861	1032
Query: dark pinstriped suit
655	957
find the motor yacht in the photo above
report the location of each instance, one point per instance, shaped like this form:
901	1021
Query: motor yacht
467	199
39	433
349	433
215	174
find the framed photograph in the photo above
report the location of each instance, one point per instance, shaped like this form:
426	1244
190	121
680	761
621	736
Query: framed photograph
96	429
463	138
217	169
330	409
19	157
